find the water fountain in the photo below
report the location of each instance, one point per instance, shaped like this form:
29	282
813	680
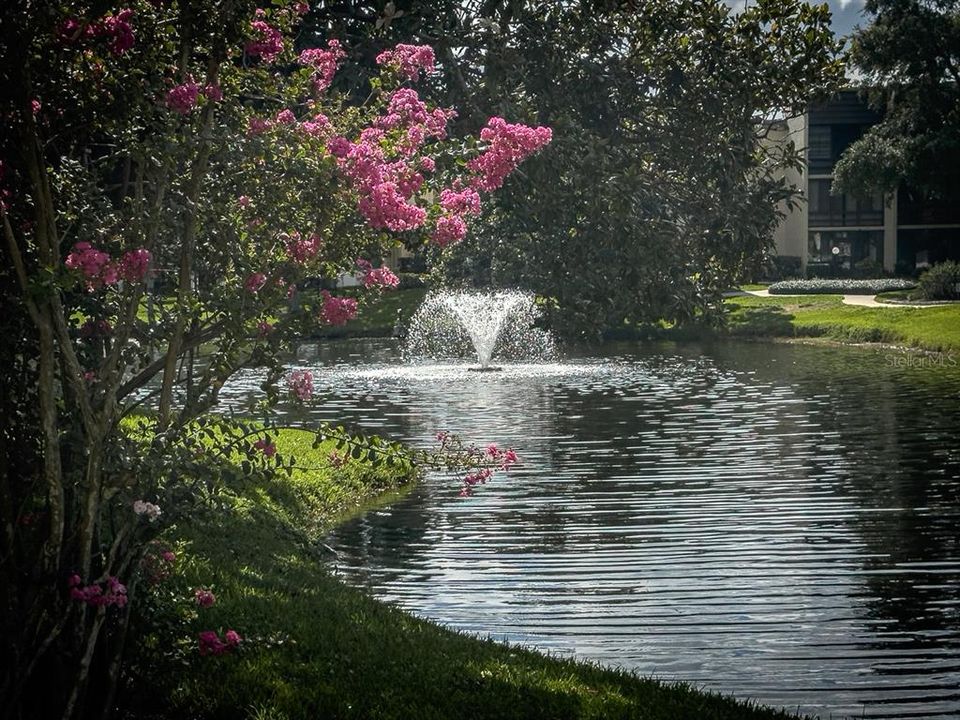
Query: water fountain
483	323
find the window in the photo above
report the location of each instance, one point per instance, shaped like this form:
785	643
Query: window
818	144
828	210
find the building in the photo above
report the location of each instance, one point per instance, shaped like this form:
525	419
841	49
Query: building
837	235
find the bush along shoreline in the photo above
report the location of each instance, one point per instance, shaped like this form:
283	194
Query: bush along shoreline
245	621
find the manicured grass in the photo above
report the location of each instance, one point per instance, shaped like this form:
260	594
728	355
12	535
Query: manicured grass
931	328
315	648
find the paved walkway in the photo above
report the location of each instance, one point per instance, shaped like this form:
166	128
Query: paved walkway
858	300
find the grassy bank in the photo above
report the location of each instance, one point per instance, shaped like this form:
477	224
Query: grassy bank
825	316
315	648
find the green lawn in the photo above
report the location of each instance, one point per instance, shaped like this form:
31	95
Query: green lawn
930	328
315	648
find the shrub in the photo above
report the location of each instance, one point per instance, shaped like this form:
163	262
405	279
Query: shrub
867	268
941	282
838	286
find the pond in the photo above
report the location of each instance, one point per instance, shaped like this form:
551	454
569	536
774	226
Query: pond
778	522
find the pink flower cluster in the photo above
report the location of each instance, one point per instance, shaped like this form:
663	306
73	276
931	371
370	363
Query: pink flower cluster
146	509
255	282
456	203
324	63
204	598
183	98
337	310
98	269
386	207
258	126
285	117
320	126
264	328
506	458
300	249
381	277
509	145
409	60
211	644
134	265
113	592
115	28
266	447
267	43
300	383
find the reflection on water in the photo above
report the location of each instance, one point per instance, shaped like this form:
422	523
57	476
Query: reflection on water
778	522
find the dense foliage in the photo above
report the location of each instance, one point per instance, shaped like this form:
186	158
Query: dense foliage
941	282
909	57
658	191
176	181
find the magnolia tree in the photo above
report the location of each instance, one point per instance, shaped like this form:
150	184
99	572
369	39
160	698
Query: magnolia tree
172	174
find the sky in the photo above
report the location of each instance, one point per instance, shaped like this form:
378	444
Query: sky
846	13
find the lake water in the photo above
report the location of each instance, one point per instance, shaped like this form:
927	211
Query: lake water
777	522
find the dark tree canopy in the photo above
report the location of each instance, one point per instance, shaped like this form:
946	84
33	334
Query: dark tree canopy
657	192
909	56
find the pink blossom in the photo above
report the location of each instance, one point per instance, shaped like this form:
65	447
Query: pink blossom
268	42
508	146
264	328
35	107
169	556
94	264
285	117
232	637
183	98
337	310
89	376
204	598
112	592
256	126
118	29
212	92
428	164
211	644
406	105
302	250
301	8
134	264
300	383
243	201
320	126
143	508
324	63
464	202
385	207
381	277
409	60
255	282
266	447
339	147
450	229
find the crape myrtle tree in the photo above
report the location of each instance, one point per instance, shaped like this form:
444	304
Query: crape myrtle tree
659	191
191	146
909	57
